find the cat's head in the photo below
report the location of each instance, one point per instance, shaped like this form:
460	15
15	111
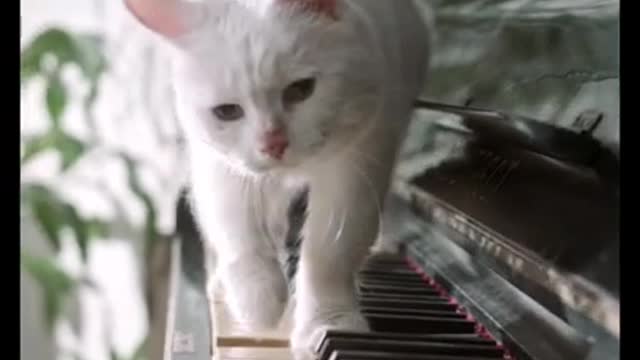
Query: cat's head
267	84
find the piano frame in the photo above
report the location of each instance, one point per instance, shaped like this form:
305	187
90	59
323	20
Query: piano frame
513	291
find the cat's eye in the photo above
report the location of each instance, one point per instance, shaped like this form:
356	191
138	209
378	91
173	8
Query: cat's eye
228	112
299	91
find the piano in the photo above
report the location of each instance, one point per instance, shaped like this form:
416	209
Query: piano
507	251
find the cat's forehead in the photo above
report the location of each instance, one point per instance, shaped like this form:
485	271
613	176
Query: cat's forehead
246	49
242	21
261	25
251	62
239	31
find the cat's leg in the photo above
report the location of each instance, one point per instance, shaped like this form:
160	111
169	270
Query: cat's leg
344	209
393	225
228	210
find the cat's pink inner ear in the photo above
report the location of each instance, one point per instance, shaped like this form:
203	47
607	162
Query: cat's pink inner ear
325	7
165	17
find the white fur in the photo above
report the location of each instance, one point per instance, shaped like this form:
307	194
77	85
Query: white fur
370	65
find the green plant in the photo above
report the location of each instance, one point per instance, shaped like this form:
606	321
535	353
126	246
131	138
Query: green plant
45	59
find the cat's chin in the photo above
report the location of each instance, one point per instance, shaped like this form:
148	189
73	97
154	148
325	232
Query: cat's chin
273	168
289	163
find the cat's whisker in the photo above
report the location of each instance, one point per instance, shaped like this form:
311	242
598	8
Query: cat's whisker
258	207
330	226
254	207
230	164
207	142
341	228
374	193
246	193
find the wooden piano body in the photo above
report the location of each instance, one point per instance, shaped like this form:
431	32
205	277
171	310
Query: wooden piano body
509	251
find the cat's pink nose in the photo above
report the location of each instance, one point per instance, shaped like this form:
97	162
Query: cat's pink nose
275	143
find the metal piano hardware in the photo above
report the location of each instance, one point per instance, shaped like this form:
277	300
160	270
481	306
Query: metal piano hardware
513	256
558	143
188	325
540	209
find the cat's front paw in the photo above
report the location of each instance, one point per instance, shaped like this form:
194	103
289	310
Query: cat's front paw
256	292
307	334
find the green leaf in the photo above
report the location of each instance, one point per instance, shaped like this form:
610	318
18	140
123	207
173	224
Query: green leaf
28	70
114	356
82	50
80	230
151	234
88	104
47	211
97	228
53	281
36	145
56	99
84	230
52	41
54	214
70	148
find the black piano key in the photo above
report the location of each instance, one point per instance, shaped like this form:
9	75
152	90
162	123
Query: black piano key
440	304
367	355
397	280
385	269
396	271
409	319
419	283
419	324
403	297
399	290
410	347
411	312
390	272
469	339
402	281
386	266
386	260
382	288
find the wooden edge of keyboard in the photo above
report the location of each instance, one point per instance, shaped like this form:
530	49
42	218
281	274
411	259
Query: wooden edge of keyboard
251	342
240	353
231	342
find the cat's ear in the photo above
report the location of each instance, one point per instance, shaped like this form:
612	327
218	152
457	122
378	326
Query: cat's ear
325	7
169	18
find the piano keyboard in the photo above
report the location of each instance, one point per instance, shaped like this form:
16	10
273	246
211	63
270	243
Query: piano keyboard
411	318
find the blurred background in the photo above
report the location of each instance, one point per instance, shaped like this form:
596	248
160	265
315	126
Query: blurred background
102	163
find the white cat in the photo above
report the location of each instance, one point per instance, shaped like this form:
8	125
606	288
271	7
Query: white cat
277	94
